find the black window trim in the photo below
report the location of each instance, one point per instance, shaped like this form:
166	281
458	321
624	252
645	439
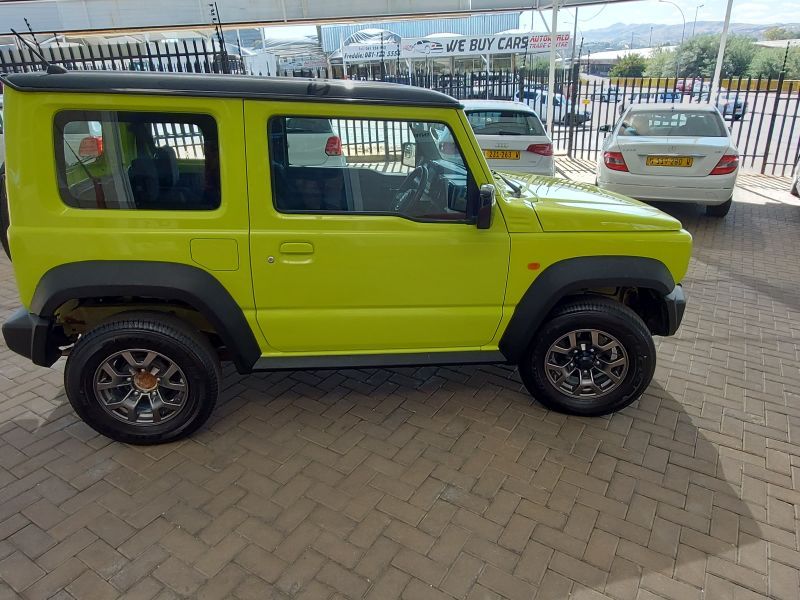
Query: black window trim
61	118
471	189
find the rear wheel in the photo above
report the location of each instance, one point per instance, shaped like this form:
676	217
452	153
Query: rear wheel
594	356
143	378
719	210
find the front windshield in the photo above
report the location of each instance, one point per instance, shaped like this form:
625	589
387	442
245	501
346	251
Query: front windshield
668	123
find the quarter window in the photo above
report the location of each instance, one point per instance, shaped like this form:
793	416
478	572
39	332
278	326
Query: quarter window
137	160
402	168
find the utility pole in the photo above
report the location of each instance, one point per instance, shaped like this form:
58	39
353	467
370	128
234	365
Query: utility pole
694	25
650	43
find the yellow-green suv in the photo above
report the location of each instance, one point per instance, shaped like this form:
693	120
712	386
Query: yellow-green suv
160	224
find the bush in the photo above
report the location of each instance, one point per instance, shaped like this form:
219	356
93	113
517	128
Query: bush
768	62
632	65
661	63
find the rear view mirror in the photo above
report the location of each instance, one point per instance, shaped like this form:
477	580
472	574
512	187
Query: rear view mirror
91	147
409	158
485	206
604	128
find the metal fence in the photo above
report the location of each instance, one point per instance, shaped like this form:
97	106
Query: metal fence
766	133
762	113
762	117
186	56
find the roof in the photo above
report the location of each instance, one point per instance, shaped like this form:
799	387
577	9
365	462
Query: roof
229	86
692	106
615	55
496	105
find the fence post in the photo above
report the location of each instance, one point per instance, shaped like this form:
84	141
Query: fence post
771	127
574	99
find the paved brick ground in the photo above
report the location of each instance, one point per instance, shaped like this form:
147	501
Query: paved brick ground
439	483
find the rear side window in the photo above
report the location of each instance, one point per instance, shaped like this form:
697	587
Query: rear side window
504	122
137	160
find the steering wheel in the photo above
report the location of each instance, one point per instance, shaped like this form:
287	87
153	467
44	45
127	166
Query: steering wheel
411	190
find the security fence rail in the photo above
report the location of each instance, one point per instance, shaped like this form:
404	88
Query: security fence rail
762	113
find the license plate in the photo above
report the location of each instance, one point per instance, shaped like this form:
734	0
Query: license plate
669	161
502	154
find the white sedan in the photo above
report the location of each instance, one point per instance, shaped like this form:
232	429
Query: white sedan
511	136
671	153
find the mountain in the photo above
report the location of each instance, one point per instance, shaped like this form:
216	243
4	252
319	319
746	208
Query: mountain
619	35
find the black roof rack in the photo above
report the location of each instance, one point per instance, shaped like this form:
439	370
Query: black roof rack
229	86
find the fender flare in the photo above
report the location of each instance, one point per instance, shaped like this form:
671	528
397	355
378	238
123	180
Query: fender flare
572	275
150	279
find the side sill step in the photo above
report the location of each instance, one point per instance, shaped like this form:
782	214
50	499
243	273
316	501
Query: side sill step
360	361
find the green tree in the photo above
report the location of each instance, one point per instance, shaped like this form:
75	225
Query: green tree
768	62
779	33
632	65
661	63
698	56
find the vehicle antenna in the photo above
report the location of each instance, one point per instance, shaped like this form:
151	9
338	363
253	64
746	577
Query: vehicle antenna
51	68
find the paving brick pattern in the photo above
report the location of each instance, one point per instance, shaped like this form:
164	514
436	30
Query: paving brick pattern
441	483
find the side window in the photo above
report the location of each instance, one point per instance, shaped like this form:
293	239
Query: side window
137	160
409	169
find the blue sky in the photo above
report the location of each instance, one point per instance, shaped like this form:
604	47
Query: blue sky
648	11
651	11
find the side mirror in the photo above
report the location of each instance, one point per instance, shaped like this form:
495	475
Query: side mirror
604	128
409	158
485	205
91	147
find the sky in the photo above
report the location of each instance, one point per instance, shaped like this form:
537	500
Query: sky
647	11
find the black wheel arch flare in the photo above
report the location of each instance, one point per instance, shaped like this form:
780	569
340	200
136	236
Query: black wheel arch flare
158	280
572	275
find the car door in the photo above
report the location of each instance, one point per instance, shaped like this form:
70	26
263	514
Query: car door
339	266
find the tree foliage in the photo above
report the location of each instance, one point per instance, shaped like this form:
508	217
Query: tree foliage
768	62
661	63
697	57
780	33
632	65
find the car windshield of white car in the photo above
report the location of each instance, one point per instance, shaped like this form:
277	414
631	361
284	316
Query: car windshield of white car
669	123
504	122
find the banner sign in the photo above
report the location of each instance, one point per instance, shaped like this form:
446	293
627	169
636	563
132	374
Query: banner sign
501	43
370	52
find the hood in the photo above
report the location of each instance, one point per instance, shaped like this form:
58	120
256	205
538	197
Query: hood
562	205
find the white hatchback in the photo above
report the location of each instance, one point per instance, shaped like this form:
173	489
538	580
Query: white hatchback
671	153
511	136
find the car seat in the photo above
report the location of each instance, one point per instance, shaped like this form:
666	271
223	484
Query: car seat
143	176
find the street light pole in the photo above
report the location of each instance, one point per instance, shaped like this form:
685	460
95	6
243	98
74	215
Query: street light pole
683	35
694	25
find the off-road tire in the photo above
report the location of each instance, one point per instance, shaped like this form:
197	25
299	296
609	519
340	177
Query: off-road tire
719	210
157	332
591	313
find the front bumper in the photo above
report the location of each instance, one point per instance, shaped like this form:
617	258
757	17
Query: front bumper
674	307
32	337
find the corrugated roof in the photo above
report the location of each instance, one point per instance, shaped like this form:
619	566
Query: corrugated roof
332	35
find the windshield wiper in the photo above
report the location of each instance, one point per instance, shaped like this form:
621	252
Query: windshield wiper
503	132
515	187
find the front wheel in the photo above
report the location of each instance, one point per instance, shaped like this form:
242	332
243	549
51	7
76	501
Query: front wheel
143	378
592	357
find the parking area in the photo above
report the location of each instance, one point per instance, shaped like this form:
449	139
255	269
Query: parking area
437	483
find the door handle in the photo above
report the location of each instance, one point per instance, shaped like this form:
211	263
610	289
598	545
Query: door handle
297	248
